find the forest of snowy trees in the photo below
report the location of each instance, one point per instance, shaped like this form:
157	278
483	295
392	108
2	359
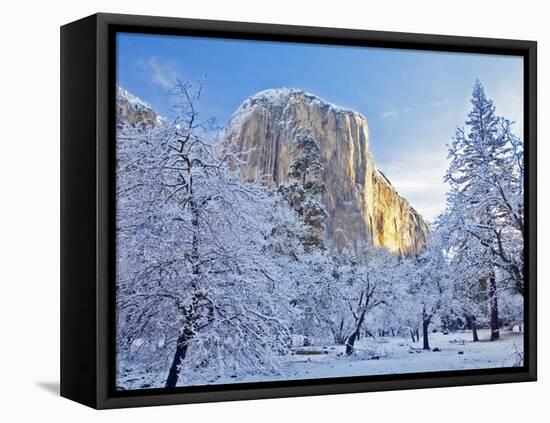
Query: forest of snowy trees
221	280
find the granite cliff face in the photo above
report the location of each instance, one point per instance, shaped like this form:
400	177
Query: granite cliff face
134	111
360	201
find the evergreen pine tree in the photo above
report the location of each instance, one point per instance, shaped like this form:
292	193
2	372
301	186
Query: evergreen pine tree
482	183
301	194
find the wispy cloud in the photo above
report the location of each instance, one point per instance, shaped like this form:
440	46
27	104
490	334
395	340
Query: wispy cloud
393	113
385	115
162	74
439	103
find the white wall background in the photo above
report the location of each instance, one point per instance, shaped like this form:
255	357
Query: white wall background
29	211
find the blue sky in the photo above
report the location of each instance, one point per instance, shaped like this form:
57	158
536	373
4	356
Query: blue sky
413	100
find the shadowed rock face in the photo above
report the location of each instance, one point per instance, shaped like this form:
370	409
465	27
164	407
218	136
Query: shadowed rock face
360	201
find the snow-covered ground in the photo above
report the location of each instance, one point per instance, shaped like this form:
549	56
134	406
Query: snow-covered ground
385	355
392	355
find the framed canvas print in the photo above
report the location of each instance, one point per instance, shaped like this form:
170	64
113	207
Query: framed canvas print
255	211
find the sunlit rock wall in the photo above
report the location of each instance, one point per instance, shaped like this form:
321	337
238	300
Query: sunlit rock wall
361	203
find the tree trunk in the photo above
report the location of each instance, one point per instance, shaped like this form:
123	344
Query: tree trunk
474	328
339	335
412	335
425	324
350	342
426	341
195	241
353	337
179	356
186	333
494	308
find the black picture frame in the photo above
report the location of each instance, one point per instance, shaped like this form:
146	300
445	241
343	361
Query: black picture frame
87	209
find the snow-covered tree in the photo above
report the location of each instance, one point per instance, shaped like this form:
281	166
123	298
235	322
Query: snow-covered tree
199	293
485	201
316	296
511	310
467	267
366	280
430	290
